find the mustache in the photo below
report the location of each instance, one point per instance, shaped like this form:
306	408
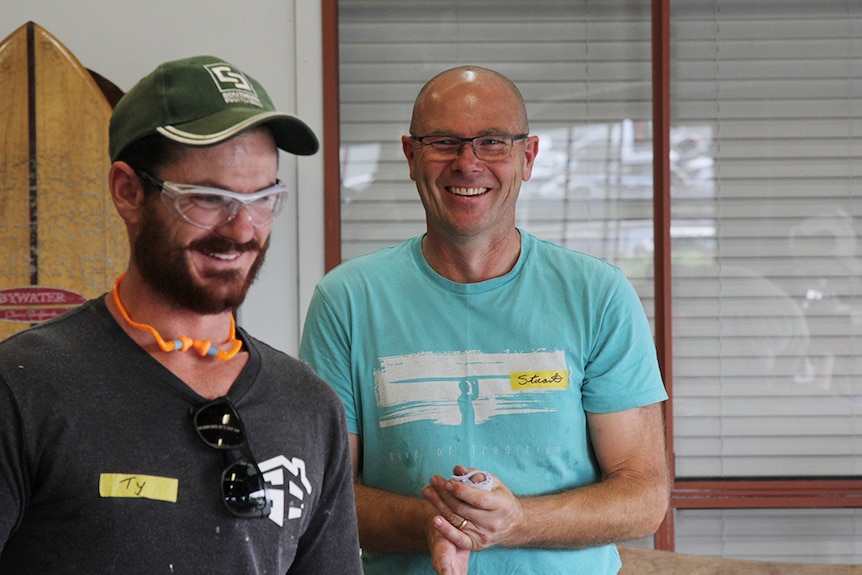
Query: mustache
216	244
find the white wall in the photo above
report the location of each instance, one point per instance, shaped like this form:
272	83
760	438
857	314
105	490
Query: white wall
277	42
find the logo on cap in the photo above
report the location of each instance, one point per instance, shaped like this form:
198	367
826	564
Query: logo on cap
233	85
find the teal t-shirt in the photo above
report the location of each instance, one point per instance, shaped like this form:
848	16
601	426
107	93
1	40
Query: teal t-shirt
495	375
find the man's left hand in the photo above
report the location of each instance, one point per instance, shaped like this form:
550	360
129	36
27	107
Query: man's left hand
473	518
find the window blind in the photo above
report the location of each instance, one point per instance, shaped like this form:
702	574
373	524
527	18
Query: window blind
584	70
784	535
766	294
765	103
765	131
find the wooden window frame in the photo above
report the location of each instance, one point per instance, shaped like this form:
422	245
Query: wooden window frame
742	493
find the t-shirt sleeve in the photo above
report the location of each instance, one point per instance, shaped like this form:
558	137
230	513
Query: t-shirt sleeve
12	482
331	542
623	371
325	346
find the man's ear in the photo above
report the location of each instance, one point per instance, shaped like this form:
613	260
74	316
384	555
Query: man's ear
409	153
127	192
531	147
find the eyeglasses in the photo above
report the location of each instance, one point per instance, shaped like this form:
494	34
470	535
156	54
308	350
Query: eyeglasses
211	208
488	148
243	488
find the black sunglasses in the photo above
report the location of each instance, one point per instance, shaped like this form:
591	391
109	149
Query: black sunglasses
243	488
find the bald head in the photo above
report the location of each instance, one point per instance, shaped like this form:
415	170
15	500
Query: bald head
465	88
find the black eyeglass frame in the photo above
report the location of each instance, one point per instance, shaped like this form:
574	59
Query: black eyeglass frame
251	502
472	141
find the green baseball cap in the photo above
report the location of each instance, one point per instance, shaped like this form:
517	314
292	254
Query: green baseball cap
202	101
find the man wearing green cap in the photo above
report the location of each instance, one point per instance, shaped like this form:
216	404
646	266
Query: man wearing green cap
144	432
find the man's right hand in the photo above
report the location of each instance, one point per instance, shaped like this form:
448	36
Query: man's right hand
446	557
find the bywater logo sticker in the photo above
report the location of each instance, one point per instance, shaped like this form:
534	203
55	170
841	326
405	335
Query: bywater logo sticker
35	304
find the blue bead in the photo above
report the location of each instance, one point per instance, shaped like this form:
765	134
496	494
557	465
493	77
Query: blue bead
212	351
178	344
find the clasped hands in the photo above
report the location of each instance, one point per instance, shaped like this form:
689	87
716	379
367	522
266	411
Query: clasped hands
469	519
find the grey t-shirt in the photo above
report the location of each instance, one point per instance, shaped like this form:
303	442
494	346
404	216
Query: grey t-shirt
102	471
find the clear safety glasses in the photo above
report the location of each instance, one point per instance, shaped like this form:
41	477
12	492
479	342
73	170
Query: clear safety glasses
211	208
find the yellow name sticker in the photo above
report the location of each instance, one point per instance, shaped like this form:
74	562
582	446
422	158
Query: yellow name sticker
139	486
542	379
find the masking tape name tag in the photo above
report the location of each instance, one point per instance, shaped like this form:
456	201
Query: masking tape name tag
138	486
541	379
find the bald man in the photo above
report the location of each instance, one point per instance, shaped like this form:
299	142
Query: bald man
502	393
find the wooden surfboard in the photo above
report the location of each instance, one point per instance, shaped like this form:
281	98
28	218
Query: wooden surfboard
61	241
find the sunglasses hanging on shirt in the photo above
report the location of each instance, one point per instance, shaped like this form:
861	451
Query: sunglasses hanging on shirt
243	488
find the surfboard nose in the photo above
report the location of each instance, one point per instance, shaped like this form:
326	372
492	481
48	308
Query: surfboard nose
60	230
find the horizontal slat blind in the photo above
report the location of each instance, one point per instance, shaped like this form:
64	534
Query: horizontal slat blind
583	68
765	202
785	535
768	299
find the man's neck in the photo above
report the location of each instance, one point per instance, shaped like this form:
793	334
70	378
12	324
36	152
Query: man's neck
472	260
145	305
207	375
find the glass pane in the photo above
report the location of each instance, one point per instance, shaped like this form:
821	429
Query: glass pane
786	535
767	277
584	70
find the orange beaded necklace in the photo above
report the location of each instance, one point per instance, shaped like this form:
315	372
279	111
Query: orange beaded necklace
181	343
